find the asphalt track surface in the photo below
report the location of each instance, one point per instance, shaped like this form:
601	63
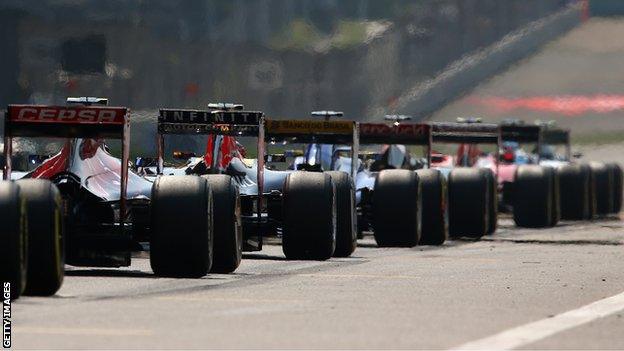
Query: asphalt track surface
462	294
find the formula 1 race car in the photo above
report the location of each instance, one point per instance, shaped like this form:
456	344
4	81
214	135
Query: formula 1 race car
472	191
580	191
84	201
604	193
403	206
311	211
530	189
314	132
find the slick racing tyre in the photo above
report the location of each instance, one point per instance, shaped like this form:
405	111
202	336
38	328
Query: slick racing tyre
14	239
182	227
492	200
535	203
603	188
397	209
228	232
574	190
434	226
617	186
592	206
309	216
346	216
46	251
468	194
555	214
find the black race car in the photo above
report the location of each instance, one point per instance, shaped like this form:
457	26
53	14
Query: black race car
313	212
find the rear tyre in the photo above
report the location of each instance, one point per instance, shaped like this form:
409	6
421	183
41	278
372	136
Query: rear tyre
14	238
46	252
182	227
534	196
434	226
228	232
574	181
592	192
492	200
555	214
468	203
309	216
346	216
617	186
603	182
397	209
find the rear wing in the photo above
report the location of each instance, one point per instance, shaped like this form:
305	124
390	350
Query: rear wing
233	122
65	121
465	133
556	136
520	133
404	133
397	133
69	122
230	122
310	131
528	134
540	135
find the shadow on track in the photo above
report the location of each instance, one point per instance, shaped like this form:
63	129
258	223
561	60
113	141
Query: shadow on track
556	242
111	273
259	256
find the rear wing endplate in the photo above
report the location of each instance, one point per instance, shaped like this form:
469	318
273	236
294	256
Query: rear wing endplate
465	133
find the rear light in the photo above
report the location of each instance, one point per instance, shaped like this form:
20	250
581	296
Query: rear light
508	156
